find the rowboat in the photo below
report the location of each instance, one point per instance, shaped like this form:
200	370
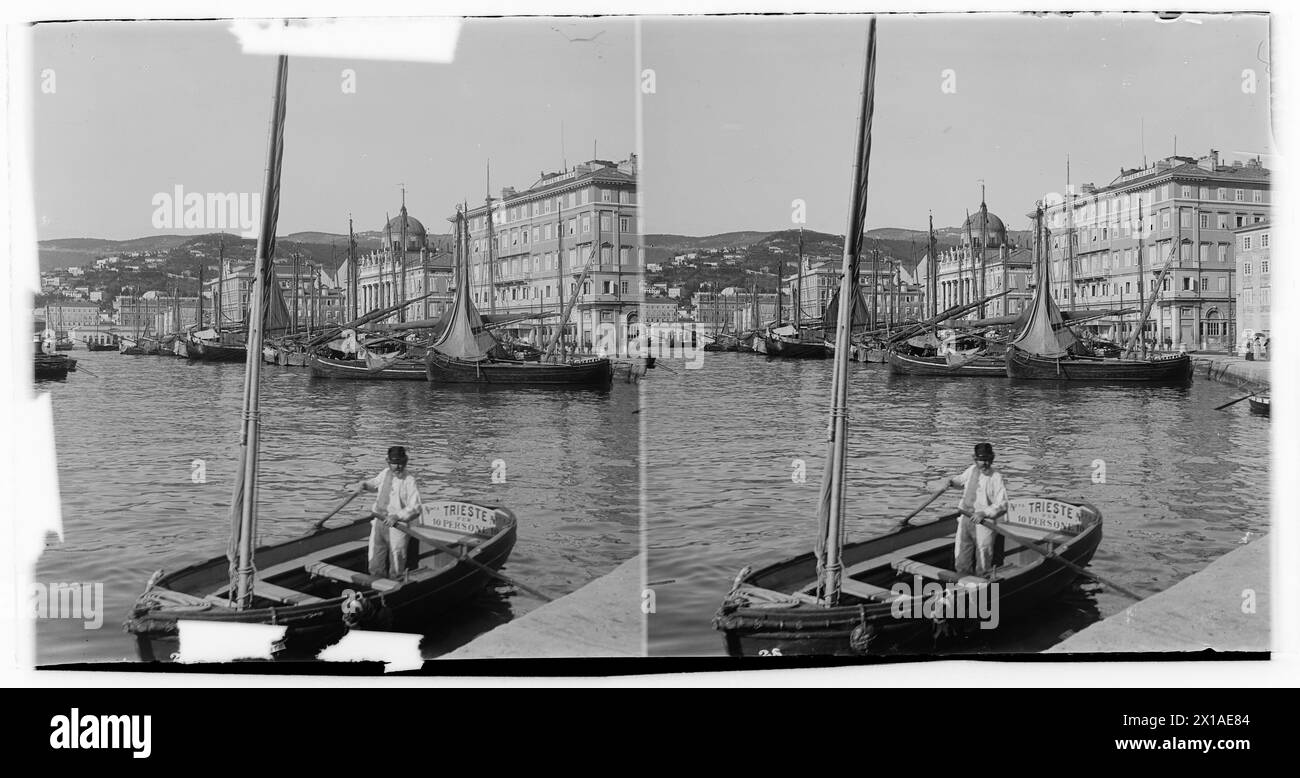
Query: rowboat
211	351
975	365
52	366
1260	404
899	593
317	588
360	369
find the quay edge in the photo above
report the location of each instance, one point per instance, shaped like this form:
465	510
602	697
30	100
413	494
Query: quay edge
1204	611
1247	374
602	619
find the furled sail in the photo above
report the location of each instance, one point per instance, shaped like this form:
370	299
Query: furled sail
1045	333
465	337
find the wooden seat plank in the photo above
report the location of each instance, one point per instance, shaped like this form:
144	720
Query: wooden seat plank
273	592
327	570
298	563
865	591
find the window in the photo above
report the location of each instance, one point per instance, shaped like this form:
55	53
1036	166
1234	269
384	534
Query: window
573	226
1263	241
1204	252
1223	221
1240	220
1164	192
1223	193
1241	195
1128	287
1185	217
624	224
1245	243
1263	266
623	287
1258	218
1187	192
537	234
1205	221
1223	283
607	195
1205	193
1164	219
606	222
586	223
1257	195
1245	268
1187	284
1204	282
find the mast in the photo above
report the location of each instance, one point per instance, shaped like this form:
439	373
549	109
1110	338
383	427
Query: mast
1069	227
385	298
199	312
221	282
831	508
559	272
964	294
798	290
875	287
243	508
984	250
1142	276
297	291
353	276
401	263
491	268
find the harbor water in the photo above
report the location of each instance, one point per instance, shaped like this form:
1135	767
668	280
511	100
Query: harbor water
147	447
735	450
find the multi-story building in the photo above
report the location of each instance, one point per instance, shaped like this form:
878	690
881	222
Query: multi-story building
1107	246
897	296
155	312
1254	282
658	310
529	250
958	269
410	263
734	306
66	316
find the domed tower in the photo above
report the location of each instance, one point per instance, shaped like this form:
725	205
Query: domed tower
973	230
405	224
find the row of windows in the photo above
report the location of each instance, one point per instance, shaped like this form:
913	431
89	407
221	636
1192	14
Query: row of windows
1265	296
1093	210
539	292
1247	241
548	205
550	261
1247	267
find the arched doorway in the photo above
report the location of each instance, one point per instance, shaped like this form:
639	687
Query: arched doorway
1213	331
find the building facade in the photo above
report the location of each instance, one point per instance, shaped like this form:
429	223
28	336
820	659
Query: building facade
66	316
311	299
529	250
1254	282
975	268
1108	245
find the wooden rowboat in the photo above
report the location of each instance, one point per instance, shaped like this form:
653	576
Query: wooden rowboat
317	586
359	370
1260	404
892	590
208	351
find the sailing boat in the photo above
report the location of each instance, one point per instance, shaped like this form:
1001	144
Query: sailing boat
1045	349
463	354
314	586
864	598
792	340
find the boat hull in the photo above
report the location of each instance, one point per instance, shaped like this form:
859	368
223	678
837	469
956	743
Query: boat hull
792	348
52	366
874	628
214	352
358	370
983	366
1260	406
592	373
311	626
1175	370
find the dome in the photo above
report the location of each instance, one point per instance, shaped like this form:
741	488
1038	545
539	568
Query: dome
413	227
997	230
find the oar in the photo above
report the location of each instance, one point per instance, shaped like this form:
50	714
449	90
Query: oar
924	505
1057	558
461	554
1234	402
316	527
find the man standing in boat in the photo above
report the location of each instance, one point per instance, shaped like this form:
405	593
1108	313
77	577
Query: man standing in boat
398	499
983	500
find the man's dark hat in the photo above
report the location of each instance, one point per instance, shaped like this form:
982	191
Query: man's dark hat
397	454
983	451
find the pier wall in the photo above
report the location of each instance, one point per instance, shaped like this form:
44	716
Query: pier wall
1235	370
602	619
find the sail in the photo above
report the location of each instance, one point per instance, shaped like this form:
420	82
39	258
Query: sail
1045	333
830	511
243	511
860	315
277	319
465	337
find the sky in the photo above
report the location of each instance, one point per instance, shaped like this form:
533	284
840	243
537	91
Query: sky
746	115
142	107
751	113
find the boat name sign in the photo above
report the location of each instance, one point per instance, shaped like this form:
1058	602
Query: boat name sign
1045	514
460	517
